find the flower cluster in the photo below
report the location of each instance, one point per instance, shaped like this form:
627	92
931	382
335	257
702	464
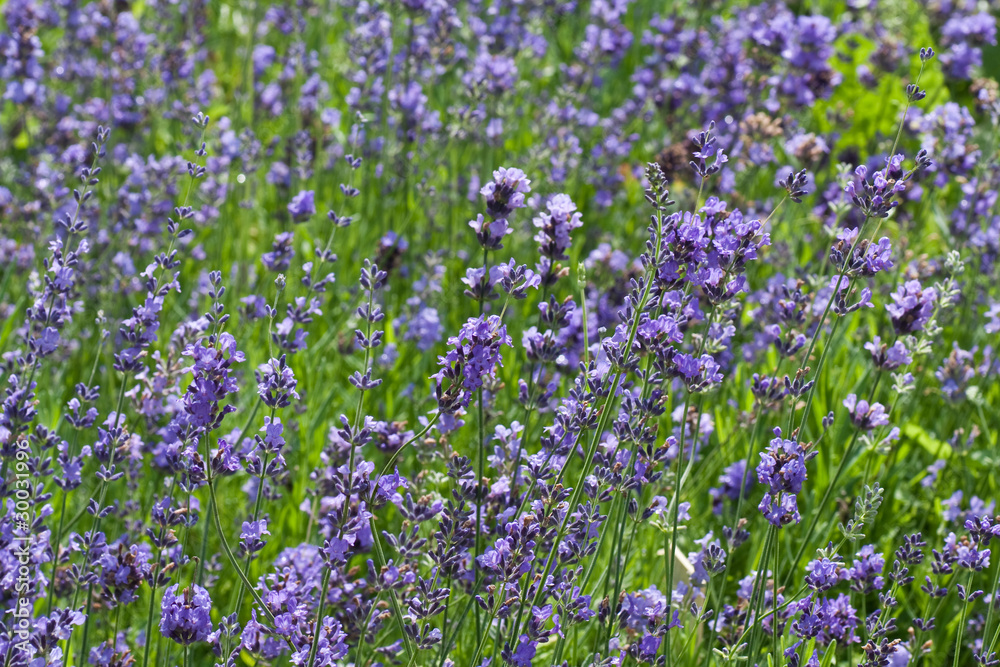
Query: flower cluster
268	399
782	469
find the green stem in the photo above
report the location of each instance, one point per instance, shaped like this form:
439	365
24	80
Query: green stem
775	652
155	574
446	646
319	615
204	549
993	597
84	643
397	610
481	460
232	557
758	592
97	520
486	634
59	531
845	459
602	421
961	622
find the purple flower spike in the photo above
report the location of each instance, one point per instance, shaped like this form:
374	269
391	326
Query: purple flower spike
303	206
185	617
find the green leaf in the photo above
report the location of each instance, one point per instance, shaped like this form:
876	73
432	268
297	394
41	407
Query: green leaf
937	448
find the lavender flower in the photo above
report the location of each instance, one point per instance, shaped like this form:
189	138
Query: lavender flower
733	481
185	616
276	383
474	355
886	357
303	206
912	307
823	574
505	192
866	416
874	196
553	237
782	469
490	233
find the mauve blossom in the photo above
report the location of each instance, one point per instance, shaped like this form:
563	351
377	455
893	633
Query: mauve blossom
782	469
185	616
302	206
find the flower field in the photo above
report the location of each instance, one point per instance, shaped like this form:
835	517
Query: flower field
499	333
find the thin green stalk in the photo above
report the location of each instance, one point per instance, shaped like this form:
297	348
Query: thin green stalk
679	479
480	460
397	610
62	511
446	646
775	652
713	624
59	531
444	628
804	544
937	607
993	597
758	593
668	554
486	634
528	408
602	421
86	626
843	270
961	622
324	588
751	451
203	554
232	557
155	577
102	494
617	567
258	503
363	640
613	625
385	469
757	621
214	505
